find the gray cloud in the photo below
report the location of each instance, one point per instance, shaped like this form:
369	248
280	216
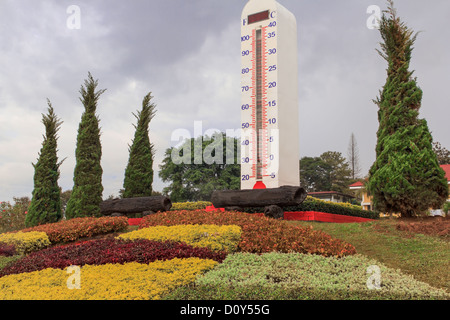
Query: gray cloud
187	54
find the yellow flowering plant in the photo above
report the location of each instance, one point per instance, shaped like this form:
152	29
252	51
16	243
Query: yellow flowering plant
129	281
198	205
213	237
26	242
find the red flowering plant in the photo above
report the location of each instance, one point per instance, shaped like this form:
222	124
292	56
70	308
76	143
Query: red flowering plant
103	251
74	229
7	250
259	234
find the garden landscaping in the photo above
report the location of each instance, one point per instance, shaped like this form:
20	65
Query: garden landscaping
200	254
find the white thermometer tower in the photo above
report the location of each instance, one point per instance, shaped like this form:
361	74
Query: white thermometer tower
269	110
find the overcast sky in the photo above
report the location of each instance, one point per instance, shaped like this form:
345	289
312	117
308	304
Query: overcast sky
187	53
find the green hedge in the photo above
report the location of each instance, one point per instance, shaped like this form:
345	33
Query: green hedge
310	204
313	204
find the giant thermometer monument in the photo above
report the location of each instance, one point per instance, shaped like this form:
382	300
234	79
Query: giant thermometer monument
269	110
269	113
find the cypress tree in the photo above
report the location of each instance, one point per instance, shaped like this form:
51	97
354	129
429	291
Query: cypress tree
87	190
405	177
139	171
45	204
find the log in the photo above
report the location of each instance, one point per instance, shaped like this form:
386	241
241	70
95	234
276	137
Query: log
274	212
135	205
283	196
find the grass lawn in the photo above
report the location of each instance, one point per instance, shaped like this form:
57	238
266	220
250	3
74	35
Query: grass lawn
425	257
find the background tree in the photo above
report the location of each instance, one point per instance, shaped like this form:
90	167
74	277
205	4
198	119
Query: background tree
65	196
139	171
443	155
353	157
87	190
315	174
329	172
46	202
340	175
405	177
12	217
196	182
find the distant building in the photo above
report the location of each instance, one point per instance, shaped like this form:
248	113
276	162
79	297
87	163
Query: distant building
332	196
366	200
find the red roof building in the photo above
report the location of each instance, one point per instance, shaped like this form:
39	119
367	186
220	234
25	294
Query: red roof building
356	185
446	168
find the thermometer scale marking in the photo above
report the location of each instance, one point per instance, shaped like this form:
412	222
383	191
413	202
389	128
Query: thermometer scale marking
259	102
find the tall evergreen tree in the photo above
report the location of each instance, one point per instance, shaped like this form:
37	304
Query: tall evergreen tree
45	205
139	171
406	177
87	190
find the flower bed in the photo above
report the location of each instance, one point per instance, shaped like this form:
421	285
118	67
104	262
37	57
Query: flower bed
98	252
74	229
299	276
25	242
432	226
259	234
115	268
209	236
110	281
